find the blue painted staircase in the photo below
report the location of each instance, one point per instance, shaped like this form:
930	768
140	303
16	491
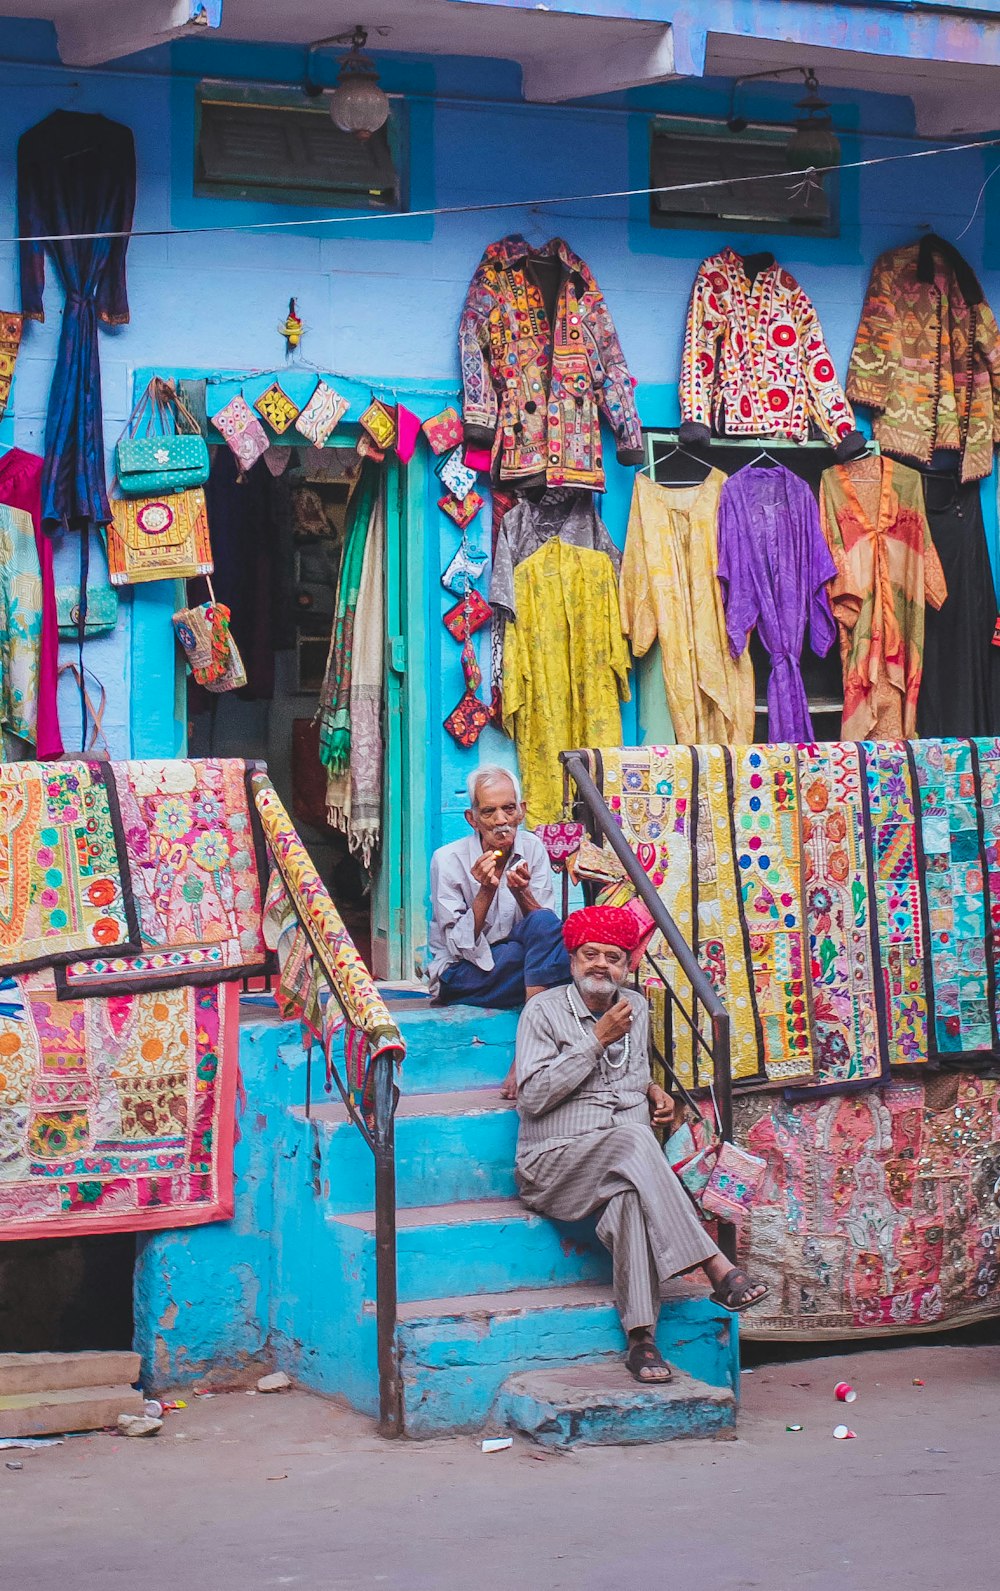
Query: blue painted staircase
506	1319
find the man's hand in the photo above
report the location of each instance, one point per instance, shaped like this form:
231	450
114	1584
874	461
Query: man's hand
661	1106
484	870
615	1023
518	877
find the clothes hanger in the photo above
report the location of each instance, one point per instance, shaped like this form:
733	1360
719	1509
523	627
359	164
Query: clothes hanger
685	453
764	454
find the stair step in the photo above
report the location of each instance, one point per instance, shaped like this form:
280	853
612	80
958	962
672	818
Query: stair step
53	1372
455	1046
456	1352
49	1413
476	1246
600	1403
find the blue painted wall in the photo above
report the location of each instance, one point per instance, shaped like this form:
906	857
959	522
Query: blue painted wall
382	297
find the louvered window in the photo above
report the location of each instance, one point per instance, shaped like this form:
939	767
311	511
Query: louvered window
282	146
684	151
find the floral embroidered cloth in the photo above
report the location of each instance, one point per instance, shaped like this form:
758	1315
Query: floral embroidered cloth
900	923
65	891
987	756
115	1115
878	1213
847	1019
197	862
20	624
954	878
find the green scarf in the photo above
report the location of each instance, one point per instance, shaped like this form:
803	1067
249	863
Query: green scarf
335	697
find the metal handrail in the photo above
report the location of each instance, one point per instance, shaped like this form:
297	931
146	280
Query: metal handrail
576	766
362	1005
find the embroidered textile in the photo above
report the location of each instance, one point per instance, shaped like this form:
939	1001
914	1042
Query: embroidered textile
21	488
20	624
771	869
11	327
197	863
242	431
954	877
986	752
878	1212
873	517
354	795
335	697
458	477
159	538
847	1025
560	512
296	988
670	593
755	362
773	568
900	919
115	1115
380	423
356	993
565	667
462	510
540	367
277	408
443	431
65	891
321	415
927	357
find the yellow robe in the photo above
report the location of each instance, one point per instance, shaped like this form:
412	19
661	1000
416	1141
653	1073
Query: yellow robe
670	589
565	667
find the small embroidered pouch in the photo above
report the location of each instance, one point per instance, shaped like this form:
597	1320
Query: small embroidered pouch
458	478
207	642
466	722
465	568
462	510
380	423
276	407
443	431
734	1183
467	616
242	430
321	415
560	840
478	459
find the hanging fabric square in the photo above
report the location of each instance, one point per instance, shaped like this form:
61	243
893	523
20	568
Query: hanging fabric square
242	430
11	326
443	431
466	722
462	510
465	567
467	616
321	415
407	431
457	476
158	538
380	423
277	408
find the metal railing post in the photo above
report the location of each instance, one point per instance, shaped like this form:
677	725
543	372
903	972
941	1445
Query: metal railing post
722	1077
384	1133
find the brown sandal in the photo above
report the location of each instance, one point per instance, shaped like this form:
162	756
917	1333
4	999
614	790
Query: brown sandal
645	1355
737	1291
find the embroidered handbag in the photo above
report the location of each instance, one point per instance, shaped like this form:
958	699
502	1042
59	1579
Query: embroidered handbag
102	602
444	431
466	722
462	510
322	414
560	840
467	616
458	478
158	538
465	567
161	449
208	645
594	864
243	432
380	423
734	1182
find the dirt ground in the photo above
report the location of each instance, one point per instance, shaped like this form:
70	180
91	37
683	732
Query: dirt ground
242	1493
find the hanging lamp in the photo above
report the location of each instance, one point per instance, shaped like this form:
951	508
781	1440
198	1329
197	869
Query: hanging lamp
358	105
813	144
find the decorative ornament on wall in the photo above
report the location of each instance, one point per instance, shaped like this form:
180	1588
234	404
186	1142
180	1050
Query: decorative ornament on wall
292	328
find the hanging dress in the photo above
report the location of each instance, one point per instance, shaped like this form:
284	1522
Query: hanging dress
960	689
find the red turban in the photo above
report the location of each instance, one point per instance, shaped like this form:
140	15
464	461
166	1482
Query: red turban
601	925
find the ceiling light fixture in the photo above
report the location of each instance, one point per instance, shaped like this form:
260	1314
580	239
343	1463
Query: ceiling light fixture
813	143
358	104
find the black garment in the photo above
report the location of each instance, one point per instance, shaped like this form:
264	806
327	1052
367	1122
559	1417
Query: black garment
245	579
960	689
76	174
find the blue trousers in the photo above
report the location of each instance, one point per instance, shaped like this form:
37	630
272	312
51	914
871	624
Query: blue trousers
534	955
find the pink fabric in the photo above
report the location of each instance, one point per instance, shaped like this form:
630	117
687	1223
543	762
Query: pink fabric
407	431
21	487
477	458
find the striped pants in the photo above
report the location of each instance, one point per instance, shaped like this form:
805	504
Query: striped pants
646	1218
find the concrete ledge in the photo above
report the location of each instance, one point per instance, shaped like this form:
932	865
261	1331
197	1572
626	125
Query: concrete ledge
600	1405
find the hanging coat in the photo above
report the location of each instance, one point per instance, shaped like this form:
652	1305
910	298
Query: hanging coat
535	389
76	174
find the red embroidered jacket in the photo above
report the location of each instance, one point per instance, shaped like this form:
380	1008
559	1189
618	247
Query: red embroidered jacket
755	362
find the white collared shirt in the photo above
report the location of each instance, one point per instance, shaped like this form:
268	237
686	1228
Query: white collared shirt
453	893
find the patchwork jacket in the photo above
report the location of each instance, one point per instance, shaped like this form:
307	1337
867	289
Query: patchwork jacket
926	357
755	362
534	393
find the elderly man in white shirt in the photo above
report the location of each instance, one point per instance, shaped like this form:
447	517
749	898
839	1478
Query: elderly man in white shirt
495	938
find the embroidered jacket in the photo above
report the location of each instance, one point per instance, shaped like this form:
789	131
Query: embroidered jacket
927	357
755	362
535	392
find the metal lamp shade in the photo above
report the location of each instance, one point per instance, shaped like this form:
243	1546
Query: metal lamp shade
358	105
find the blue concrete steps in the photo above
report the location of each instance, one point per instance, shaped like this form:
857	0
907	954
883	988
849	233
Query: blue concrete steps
599	1404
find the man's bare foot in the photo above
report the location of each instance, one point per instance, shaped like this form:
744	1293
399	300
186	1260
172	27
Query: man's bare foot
508	1089
644	1360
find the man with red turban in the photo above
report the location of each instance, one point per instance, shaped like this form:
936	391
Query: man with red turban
587	1106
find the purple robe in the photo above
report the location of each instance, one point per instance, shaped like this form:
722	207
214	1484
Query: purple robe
774	565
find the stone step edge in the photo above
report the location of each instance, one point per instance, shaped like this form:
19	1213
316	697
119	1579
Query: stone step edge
55	1372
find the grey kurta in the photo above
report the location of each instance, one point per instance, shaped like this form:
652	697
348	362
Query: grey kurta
585	1145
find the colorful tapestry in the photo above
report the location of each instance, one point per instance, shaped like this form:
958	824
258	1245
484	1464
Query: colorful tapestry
879	1212
769	857
65	891
900	920
115	1115
986	753
847	1024
197	860
349	978
723	945
954	878
652	791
